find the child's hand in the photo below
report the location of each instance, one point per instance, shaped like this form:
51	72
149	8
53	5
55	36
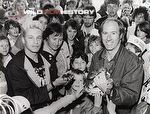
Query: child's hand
97	99
110	106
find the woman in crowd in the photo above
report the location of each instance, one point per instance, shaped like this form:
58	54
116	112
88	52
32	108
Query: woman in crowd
14	33
73	36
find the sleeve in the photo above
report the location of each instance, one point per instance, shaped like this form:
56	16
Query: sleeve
23	86
57	105
127	92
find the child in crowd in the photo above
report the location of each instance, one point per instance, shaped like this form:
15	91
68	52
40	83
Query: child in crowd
79	60
94	45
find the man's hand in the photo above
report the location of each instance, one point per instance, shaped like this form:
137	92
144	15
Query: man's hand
97	99
110	106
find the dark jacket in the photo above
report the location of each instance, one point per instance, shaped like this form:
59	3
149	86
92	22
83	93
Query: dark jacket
21	84
127	74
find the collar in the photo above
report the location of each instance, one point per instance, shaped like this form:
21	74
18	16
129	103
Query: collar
103	54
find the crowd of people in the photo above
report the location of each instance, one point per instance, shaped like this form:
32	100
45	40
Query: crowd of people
57	63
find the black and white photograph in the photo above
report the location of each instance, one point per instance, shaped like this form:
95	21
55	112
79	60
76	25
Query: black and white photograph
74	56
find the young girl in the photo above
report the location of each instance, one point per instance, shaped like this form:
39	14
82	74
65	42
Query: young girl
143	32
94	45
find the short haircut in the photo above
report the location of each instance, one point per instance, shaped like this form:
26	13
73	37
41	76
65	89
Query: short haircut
122	30
144	27
92	39
141	10
73	23
77	55
53	28
13	23
117	2
75	72
41	15
120	24
90	7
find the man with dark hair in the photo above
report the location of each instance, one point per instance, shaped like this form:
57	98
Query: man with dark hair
54	44
124	68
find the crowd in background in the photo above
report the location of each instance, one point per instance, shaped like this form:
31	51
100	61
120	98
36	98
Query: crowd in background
54	62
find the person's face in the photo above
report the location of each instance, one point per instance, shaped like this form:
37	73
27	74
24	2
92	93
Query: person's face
43	21
140	33
112	10
4	47
139	18
57	2
78	18
21	6
95	46
78	82
88	20
126	8
71	33
71	6
54	41
13	31
110	35
33	40
79	64
85	2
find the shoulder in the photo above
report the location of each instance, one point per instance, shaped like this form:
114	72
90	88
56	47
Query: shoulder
17	60
130	58
48	56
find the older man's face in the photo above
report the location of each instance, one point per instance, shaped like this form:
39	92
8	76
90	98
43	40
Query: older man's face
110	35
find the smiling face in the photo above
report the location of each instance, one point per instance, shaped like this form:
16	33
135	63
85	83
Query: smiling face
111	36
78	81
54	41
88	20
141	34
13	31
71	33
139	18
95	46
79	64
33	40
4	47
